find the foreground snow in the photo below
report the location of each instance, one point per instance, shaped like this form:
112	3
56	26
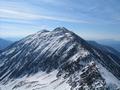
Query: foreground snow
40	81
45	81
109	77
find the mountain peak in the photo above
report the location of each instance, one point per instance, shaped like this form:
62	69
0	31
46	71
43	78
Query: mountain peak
44	30
63	29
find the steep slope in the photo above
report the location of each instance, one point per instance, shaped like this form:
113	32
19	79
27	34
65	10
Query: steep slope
42	51
60	50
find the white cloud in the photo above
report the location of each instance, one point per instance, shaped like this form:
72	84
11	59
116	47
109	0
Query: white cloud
7	13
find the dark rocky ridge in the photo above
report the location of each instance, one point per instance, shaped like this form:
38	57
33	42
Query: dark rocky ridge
89	76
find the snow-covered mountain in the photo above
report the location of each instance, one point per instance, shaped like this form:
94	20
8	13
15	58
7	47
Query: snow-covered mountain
58	60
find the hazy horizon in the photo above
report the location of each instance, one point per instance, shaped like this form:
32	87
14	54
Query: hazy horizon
17	38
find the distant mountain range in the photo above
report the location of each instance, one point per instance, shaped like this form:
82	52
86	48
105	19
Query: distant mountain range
59	60
4	43
112	43
105	48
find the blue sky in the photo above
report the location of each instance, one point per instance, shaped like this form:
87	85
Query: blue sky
91	19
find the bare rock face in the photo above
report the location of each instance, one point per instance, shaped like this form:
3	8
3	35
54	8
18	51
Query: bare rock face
89	78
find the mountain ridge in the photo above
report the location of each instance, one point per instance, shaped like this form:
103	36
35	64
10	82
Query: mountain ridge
60	50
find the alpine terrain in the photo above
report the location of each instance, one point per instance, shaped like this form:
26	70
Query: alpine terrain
58	60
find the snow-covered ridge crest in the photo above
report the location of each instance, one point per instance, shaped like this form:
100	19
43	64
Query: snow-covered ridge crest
46	47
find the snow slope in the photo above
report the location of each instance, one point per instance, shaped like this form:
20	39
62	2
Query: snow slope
39	81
